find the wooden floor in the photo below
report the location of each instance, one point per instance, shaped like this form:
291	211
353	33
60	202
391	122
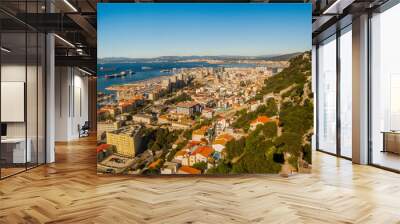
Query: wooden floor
69	191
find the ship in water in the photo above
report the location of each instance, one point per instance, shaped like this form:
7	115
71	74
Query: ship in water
119	75
165	70
145	68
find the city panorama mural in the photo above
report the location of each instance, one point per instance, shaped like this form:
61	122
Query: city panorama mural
204	89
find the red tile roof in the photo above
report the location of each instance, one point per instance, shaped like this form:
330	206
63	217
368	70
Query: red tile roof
192	143
187	104
261	119
189	170
154	164
102	147
180	153
205	151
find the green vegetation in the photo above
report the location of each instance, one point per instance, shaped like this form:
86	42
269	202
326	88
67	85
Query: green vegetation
188	133
296	73
253	154
296	118
295	94
172	153
159	139
235	148
257	157
307	153
268	109
105	153
221	168
105	117
151	172
200	166
262	151
180	98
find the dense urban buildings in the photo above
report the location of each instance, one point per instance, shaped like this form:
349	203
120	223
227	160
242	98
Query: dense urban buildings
198	120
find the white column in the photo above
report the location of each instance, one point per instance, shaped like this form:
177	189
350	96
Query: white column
360	90
50	101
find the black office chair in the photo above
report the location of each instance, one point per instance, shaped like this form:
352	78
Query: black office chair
84	130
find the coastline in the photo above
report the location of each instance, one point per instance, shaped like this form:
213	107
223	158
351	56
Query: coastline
154	75
140	82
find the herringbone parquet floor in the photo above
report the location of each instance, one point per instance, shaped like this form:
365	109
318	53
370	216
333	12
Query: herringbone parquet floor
69	191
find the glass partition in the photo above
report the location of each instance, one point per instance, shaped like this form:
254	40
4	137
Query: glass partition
22	88
31	97
14	155
346	92
327	95
385	89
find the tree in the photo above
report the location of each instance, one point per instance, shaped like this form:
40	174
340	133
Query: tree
181	98
271	108
307	154
235	148
223	167
297	118
255	158
172	153
290	142
294	74
200	166
269	130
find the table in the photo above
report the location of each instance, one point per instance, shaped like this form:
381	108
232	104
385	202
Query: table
13	150
391	141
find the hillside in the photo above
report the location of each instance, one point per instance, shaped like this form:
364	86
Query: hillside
286	96
283	57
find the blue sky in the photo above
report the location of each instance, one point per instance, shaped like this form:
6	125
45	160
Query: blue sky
151	30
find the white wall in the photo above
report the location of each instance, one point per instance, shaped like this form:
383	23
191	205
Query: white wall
71	102
61	103
12	73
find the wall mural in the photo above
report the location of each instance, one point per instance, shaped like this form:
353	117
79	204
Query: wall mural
209	89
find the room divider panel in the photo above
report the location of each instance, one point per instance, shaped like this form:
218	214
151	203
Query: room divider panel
22	87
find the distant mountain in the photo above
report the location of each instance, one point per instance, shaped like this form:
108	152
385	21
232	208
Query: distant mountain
283	57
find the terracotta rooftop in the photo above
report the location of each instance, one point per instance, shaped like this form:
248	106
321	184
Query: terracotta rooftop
102	147
261	119
192	143
225	136
187	104
205	151
189	170
200	131
154	164
223	139
180	153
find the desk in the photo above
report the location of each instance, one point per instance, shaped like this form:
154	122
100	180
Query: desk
391	141
13	150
